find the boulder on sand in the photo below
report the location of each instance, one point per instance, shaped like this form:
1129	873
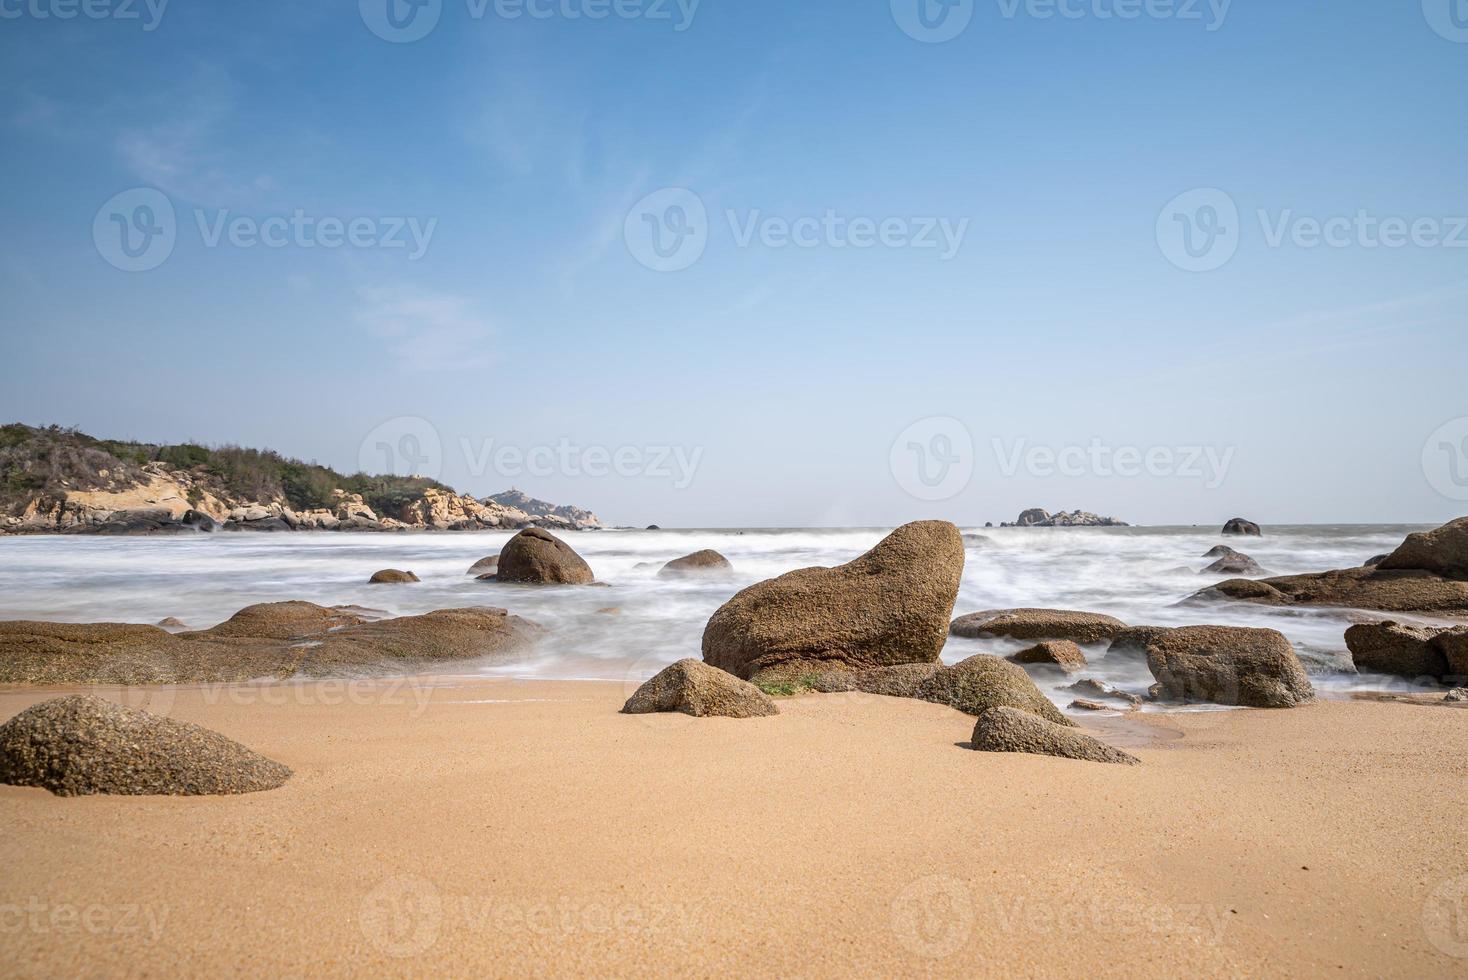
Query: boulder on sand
1409	651
1013	730
984	681
1443	551
1255	668
392	576
81	744
888	607
536	556
1240	526
704	562
1038	624
1053	653
695	688
902	681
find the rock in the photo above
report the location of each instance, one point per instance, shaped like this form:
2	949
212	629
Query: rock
1036	517
1131	643
1350	588
391	576
902	681
1240	526
984	681
1093	688
81	745
1219	551
1373	562
1255	668
278	639
1012	730
1443	552
653	527
198	519
888	607
1083	704
1038	624
538	557
1053	653
704	562
1409	651
1234	564
485	566
695	688
1457	694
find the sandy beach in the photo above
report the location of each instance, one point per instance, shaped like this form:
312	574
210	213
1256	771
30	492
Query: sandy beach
495	827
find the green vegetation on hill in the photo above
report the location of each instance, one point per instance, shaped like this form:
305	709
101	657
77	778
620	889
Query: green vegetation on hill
53	459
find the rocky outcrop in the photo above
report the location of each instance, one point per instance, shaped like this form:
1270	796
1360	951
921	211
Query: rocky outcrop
271	640
888	607
695	688
82	745
1254	668
1038	624
1061	654
1242	527
1443	552
1038	517
705	562
1410	651
984	681
392	576
1013	730
547	515
537	557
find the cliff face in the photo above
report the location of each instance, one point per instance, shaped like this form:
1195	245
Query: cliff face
55	481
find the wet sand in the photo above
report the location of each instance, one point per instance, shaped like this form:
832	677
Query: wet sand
499	827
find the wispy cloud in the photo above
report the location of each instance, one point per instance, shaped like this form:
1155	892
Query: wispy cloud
425	330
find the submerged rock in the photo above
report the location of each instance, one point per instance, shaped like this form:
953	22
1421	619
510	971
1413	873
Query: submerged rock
1254	668
535	556
1219	551
1234	564
1038	624
81	745
888	607
1012	730
695	688
392	576
485	567
699	563
1093	688
1053	653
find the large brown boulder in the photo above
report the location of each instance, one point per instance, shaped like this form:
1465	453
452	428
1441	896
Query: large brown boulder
902	681
1038	624
890	606
695	688
1350	588
1240	526
1409	651
538	557
80	745
392	576
1053	653
984	681
1255	668
279	639
1443	551
706	562
1013	730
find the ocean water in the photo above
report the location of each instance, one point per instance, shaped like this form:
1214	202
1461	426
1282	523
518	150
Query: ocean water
1136	574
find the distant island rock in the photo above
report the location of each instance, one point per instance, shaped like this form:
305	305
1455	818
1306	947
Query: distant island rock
56	480
1038	517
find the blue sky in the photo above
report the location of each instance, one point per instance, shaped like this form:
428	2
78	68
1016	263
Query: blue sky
791	381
